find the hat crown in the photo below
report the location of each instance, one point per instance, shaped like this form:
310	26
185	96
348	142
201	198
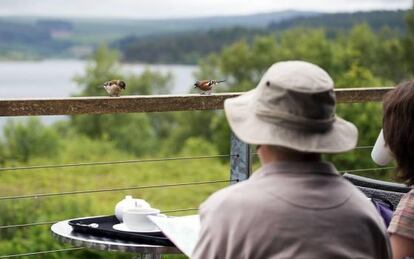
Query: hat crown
293	106
297	94
299	76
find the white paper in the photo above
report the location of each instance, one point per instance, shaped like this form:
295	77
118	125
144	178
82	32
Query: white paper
182	231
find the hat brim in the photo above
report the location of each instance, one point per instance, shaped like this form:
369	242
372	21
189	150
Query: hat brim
342	137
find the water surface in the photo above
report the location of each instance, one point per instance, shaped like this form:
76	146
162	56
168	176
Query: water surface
54	78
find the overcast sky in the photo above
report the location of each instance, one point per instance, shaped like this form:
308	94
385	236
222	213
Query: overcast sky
144	9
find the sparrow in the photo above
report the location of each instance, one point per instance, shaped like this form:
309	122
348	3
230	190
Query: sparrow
114	87
207	85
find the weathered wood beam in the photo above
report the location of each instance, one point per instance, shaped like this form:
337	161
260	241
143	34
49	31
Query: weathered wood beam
150	103
361	95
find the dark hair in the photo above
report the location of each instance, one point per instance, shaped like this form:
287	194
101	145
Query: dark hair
398	126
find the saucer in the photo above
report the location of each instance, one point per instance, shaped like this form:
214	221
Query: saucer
123	227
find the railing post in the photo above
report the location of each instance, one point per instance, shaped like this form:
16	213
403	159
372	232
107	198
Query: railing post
240	159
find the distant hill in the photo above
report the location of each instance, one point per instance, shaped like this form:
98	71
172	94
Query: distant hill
182	48
34	37
189	47
20	40
93	30
341	21
163	41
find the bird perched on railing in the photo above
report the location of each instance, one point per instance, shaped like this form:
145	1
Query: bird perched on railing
114	87
206	85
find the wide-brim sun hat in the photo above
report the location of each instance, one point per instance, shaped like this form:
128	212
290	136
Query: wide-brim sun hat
293	106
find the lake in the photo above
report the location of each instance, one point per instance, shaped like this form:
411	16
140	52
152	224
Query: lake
54	78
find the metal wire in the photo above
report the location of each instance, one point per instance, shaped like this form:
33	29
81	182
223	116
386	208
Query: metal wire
366	169
111	162
22	168
144	187
178	210
28	224
53	222
360	147
364	147
40	195
42	252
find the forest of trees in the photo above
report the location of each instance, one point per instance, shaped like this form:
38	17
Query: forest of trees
340	21
183	41
189	47
358	57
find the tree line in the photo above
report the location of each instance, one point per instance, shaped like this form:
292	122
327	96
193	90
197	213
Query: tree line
360	57
189	47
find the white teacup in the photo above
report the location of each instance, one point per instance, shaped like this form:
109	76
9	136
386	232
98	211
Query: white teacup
136	219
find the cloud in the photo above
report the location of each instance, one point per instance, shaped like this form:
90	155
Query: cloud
183	8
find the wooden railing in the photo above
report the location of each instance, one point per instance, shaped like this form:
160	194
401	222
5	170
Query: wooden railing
151	103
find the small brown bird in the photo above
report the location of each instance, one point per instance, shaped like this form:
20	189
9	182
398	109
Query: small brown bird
114	87
207	85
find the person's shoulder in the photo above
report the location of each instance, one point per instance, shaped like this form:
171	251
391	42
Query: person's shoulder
407	203
227	196
410	195
402	222
359	204
357	195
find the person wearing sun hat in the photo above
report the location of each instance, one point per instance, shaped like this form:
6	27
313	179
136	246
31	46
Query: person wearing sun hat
295	205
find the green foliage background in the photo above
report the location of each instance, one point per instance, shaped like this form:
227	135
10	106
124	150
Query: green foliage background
359	57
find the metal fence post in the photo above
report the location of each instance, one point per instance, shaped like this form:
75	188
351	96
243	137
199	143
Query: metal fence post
240	160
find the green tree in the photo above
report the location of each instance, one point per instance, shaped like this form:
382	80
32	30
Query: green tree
134	133
29	139
197	146
103	66
185	125
408	42
367	117
2	153
358	58
363	45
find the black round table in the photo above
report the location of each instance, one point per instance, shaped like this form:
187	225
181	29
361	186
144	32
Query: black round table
64	233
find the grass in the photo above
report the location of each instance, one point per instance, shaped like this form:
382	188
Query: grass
39	238
75	149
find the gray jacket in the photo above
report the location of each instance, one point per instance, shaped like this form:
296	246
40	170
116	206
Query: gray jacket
291	210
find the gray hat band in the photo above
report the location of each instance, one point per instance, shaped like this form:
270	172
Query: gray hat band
291	121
